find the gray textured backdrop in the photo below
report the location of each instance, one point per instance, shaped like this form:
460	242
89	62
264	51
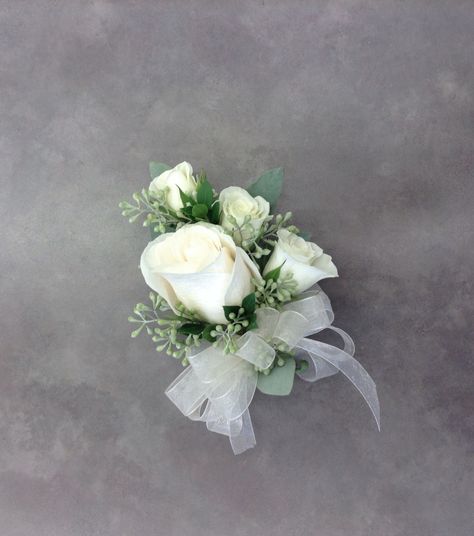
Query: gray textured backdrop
369	106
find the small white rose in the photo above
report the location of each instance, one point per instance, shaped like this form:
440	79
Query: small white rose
241	214
171	181
304	260
201	267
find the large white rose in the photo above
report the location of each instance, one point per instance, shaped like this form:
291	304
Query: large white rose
171	181
237	205
201	267
304	260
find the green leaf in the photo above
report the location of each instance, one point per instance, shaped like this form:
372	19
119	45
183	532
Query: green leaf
248	303
187	211
206	334
252	322
157	168
268	186
205	194
215	213
185	198
200	211
191	329
280	380
274	274
228	309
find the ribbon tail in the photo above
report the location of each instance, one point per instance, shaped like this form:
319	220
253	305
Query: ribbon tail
244	438
349	366
239	431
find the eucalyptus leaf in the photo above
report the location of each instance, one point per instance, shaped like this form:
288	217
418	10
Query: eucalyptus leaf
268	186
280	380
157	168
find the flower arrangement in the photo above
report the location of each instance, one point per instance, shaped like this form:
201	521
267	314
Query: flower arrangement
231	297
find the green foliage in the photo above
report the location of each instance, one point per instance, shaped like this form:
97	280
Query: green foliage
273	293
214	214
207	333
199	211
231	311
157	168
241	318
274	274
192	328
205	194
186	199
152	207
177	333
174	333
268	186
248	303
205	207
261	244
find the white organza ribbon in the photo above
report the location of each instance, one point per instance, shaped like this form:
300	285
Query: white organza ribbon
218	388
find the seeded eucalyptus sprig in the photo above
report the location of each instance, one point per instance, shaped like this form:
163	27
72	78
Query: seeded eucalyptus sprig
261	244
241	319
275	289
152	207
164	326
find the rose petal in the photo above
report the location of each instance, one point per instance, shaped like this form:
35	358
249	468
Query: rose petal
153	279
202	293
240	284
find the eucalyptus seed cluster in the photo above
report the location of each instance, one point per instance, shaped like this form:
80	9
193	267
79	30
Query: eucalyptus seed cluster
262	243
165	330
152	206
146	315
270	293
225	334
171	341
280	221
243	233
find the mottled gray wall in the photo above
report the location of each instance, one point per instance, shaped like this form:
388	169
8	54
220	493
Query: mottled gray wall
369	106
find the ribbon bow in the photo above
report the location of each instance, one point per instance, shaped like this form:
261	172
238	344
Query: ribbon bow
218	388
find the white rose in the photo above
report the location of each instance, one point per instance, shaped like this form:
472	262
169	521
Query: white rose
201	267
304	260
171	181
237	205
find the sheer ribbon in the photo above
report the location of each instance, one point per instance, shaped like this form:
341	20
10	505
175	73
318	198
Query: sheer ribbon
217	388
